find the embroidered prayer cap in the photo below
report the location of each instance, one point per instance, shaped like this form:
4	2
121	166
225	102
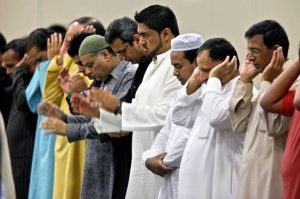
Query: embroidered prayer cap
185	42
91	44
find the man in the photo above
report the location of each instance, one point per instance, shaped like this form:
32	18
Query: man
121	32
210	161
265	132
165	154
67	182
105	66
13	53
22	122
283	99
145	115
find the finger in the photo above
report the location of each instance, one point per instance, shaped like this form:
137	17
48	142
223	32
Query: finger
48	43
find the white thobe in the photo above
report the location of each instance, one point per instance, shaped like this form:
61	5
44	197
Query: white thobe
172	140
210	163
144	117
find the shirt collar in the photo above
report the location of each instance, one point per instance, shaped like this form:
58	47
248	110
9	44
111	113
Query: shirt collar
118	71
160	57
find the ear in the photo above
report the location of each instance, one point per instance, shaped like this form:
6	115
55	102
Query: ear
105	53
275	47
194	63
137	39
166	34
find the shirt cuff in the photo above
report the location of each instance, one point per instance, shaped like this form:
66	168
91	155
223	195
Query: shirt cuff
213	85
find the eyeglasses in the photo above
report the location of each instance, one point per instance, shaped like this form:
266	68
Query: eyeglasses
123	51
256	51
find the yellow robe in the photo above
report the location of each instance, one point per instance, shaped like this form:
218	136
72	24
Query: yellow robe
69	157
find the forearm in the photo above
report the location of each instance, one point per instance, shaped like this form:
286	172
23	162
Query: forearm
279	88
81	131
20	81
215	104
240	106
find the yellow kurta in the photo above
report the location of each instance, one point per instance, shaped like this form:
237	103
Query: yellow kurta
69	157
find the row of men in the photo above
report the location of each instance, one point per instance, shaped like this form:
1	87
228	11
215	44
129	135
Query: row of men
205	132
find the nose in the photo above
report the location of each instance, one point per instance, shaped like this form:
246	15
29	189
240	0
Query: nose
175	72
250	57
122	57
142	41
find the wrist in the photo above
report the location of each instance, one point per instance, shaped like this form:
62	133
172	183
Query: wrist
119	108
245	79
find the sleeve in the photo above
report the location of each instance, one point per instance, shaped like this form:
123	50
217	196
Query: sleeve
81	131
215	105
186	108
52	91
287	107
276	124
77	119
33	94
176	148
240	106
160	142
108	122
20	81
144	117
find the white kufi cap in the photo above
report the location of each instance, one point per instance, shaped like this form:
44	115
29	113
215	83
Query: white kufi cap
188	41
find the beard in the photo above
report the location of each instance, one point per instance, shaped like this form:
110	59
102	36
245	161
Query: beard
153	52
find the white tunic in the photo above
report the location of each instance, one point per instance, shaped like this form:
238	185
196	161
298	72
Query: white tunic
171	139
145	117
210	163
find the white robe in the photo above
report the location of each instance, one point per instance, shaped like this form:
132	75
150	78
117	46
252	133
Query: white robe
171	139
144	117
211	160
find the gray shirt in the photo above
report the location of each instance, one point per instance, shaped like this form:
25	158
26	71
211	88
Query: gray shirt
118	83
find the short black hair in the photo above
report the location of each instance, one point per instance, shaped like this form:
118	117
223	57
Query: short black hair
38	38
158	17
18	46
76	41
190	55
273	34
100	30
2	42
219	49
123	28
299	52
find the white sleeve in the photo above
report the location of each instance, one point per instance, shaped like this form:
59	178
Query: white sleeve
137	117
160	142
215	105
185	111
108	122
176	148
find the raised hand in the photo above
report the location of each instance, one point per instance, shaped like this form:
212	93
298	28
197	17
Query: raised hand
54	44
26	62
248	71
77	84
195	81
72	30
54	126
274	68
156	166
63	80
82	105
50	110
89	29
107	100
225	71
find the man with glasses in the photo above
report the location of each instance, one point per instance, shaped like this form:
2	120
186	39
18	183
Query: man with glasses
265	132
145	115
